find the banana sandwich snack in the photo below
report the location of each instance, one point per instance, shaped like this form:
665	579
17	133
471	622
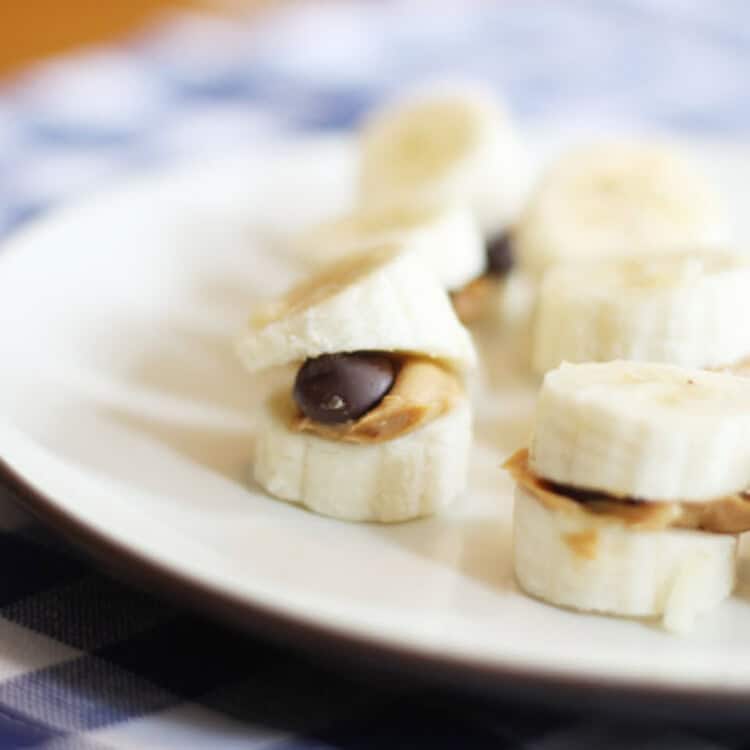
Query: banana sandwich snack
690	309
617	199
633	491
444	173
377	424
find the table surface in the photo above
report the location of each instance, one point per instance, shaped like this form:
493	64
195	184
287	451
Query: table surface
33	30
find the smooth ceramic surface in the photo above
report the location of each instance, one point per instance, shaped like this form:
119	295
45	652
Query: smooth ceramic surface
121	405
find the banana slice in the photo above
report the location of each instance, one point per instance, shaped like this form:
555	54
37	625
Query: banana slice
647	431
415	475
447	144
381	300
618	200
684	309
445	238
596	564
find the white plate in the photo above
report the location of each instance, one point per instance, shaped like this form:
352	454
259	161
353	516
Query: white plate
125	414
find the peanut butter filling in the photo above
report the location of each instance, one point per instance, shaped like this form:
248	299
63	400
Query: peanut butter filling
741	368
470	301
423	391
726	515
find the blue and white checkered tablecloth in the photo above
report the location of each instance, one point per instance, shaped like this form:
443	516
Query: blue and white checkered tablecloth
86	662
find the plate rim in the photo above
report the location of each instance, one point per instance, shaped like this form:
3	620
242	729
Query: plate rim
463	673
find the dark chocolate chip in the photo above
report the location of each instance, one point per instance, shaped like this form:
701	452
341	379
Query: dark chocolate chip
590	496
500	254
335	388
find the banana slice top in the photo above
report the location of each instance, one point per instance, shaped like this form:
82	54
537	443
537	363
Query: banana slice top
382	299
454	141
619	199
332	280
651	391
725	515
650	431
420	142
652	274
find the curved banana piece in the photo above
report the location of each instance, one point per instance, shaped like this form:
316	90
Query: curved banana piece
646	431
446	238
683	309
397	480
597	565
382	300
618	200
450	143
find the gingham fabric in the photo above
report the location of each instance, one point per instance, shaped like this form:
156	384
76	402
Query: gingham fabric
86	662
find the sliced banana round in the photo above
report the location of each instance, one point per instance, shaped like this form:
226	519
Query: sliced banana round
595	564
414	475
450	143
645	431
445	238
379	300
683	308
617	200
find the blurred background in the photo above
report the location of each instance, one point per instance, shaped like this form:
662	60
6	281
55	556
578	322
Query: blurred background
91	90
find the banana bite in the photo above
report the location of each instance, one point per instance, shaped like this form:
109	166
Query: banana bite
632	493
375	424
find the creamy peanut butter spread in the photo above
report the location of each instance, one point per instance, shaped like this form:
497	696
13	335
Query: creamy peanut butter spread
423	390
470	301
726	515
584	544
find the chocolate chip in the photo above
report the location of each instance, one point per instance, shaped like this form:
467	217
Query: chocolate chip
336	388
500	254
590	496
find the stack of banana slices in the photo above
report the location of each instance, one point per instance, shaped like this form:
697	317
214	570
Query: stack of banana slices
630	497
444	174
625	243
376	425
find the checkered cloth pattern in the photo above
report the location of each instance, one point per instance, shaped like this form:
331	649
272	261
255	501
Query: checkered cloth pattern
87	662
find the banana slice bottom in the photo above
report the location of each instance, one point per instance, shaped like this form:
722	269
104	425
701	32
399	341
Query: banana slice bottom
678	308
576	561
398	480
